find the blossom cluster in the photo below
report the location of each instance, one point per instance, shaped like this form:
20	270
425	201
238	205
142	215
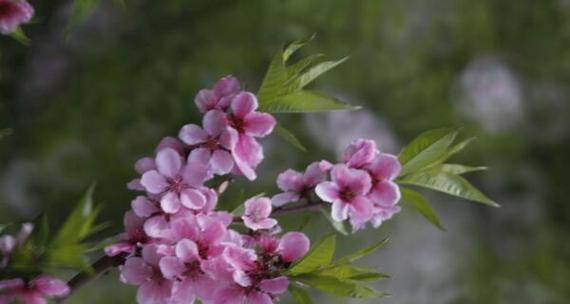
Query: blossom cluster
18	290
361	186
13	13
178	247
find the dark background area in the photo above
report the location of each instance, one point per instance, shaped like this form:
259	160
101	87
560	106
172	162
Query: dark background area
84	108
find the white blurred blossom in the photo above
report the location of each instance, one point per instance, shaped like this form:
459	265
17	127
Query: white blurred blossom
491	95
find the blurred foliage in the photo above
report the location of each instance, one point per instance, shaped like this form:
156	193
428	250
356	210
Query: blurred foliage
84	109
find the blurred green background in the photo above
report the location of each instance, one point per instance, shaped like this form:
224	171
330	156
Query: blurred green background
85	107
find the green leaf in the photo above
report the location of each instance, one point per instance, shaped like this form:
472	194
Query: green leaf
314	72
299	294
305	101
340	227
239	210
418	202
295	69
448	183
273	85
426	149
20	36
320	255
289	137
80	10
332	285
458	169
361	253
294	46
347	272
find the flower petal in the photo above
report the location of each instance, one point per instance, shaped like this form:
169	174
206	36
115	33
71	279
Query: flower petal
243	104
214	122
281	199
192	199
275	286
293	246
205	100
154	292
290	180
135	271
143	207
339	211
171	267
258	298
360	210
328	191
227	85
154	182
385	193
259	124
222	162
168	162
144	164
187	251
314	174
170	202
385	167
192	134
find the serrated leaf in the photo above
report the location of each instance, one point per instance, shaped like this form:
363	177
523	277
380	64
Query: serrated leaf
340	227
289	137
305	101
347	272
458	169
304	79
418	202
294	46
70	256
299	294
361	253
295	69
448	183
320	255
332	285
425	150
273	84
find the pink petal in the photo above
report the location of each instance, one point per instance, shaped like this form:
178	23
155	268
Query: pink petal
243	104
229	137
157	227
290	180
247	155
200	155
358	181
214	122
118	248
151	255
154	292
214	231
168	162
227	85
314	174
154	182
192	135
32	297
50	286
339	211
385	167
144	164
183	292
284	198
325	165
171	143
230	295
187	250
11	284
135	271
293	246
133	223
275	286
135	184
205	100
171	267
222	162
258	207
192	199
241	278
259	124
258	298
255	224
195	173
359	153
385	193
328	191
170	203
360	209
143	207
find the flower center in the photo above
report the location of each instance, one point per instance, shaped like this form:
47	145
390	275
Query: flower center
7	9
176	184
212	144
236	123
346	194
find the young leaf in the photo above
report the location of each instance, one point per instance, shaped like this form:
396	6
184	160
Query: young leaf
347	272
418	202
320	255
294	46
458	169
340	227
299	294
20	36
289	137
304	79
336	286
361	253
305	101
273	85
448	183
426	149
295	69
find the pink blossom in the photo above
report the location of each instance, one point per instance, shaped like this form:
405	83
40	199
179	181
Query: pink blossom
13	13
145	272
385	193
219	97
348	194
33	292
293	246
263	292
296	184
257	211
213	144
248	124
176	182
133	236
207	232
360	153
